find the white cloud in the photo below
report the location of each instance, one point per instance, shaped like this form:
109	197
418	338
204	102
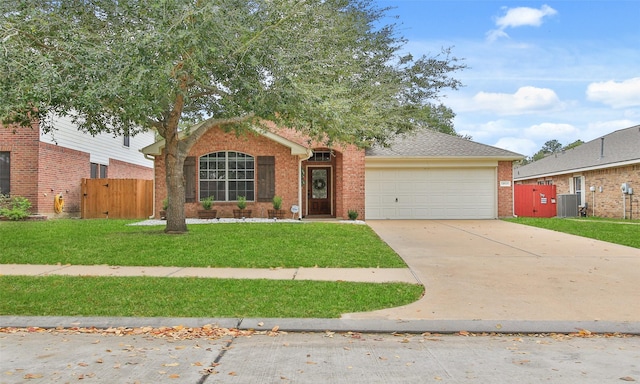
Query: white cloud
522	16
601	128
521	146
486	132
524	100
519	17
550	131
616	94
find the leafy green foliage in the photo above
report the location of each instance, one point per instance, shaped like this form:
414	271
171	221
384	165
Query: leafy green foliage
207	202
14	208
550	147
352	214
242	202
277	202
331	69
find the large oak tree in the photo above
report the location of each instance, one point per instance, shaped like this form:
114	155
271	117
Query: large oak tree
333	69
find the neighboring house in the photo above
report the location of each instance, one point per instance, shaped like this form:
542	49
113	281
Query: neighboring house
429	175
39	166
595	172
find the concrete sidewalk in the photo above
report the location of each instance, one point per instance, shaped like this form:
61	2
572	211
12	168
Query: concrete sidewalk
372	275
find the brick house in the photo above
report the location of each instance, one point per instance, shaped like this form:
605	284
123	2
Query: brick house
39	166
429	175
595	172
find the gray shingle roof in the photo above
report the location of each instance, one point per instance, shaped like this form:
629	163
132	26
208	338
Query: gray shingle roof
622	146
430	143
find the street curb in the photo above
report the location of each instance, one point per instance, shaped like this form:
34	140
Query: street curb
333	325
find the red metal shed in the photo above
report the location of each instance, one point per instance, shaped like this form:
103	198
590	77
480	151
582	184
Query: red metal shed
532	200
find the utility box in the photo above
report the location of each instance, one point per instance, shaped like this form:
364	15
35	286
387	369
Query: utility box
568	205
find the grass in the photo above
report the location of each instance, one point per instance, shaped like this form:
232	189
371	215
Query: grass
610	230
195	297
250	245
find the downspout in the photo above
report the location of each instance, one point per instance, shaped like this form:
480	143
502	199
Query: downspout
153	198
309	154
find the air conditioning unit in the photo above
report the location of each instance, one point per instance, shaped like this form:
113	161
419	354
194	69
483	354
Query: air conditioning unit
624	188
567	205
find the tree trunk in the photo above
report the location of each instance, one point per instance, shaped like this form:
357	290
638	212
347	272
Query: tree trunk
174	162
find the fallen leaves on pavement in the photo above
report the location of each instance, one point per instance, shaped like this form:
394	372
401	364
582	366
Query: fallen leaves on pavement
177	332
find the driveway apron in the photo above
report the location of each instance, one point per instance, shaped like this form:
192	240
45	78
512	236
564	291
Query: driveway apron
496	270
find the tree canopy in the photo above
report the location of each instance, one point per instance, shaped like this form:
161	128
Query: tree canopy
550	147
333	69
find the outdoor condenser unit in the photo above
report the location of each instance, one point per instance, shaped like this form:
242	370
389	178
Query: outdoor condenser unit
568	205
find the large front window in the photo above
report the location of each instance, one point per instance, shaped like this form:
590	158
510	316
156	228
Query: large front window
227	175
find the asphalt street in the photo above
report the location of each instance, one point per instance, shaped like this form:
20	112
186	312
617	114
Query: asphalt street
320	357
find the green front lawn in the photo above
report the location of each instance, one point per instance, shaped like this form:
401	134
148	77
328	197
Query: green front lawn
616	231
249	245
195	297
242	245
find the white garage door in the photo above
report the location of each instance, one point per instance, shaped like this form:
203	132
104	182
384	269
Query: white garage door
431	193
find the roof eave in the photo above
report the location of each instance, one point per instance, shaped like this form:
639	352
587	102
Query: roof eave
575	170
442	158
155	149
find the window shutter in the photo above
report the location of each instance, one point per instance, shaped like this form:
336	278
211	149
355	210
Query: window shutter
189	170
266	178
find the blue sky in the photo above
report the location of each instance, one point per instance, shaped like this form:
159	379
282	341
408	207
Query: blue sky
538	70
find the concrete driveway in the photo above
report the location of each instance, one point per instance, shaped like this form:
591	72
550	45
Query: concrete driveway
495	270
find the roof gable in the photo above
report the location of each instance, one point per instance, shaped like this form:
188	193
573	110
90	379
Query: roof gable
428	143
156	148
616	148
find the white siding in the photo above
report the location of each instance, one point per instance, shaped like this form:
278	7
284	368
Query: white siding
101	147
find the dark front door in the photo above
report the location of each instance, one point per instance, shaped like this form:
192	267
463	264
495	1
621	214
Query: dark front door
319	191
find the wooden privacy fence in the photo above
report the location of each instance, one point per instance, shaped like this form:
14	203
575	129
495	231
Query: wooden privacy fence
116	198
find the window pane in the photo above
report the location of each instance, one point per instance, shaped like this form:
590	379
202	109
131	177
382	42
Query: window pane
230	175
5	173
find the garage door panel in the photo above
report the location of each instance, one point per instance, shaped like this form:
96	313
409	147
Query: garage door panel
431	193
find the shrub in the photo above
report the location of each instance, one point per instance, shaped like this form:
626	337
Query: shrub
207	203
353	214
277	202
242	202
14	208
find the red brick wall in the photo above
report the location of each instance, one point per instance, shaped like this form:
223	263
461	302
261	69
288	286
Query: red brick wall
348	174
22	143
608	203
505	194
61	170
352	182
255	145
122	170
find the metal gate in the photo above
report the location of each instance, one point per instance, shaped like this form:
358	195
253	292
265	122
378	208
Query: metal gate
532	200
116	198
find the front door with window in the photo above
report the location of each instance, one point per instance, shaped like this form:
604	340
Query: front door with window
319	191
